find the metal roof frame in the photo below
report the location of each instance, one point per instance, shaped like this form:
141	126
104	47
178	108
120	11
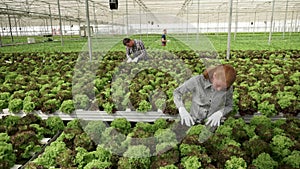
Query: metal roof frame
74	10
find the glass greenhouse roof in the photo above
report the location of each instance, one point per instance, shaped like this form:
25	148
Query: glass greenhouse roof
206	11
149	12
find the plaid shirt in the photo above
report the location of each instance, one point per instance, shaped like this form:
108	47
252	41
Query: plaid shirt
205	100
137	50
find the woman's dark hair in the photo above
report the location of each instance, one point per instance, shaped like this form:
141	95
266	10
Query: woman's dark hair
125	41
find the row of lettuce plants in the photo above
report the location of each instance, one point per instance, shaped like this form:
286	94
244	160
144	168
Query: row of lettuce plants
268	81
21	137
270	86
165	144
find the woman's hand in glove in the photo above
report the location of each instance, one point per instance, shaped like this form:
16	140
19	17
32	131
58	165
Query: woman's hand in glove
129	60
214	119
185	117
135	59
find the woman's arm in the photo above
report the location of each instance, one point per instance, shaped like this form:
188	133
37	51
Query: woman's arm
128	53
187	86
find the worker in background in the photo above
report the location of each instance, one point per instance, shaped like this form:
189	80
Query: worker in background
135	50
164	38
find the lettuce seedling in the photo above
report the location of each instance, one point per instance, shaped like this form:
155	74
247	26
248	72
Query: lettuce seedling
235	163
264	160
67	107
15	105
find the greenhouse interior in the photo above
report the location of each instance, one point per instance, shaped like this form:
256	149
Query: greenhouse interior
140	84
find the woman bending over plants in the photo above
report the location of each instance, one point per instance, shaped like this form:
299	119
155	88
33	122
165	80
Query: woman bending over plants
212	96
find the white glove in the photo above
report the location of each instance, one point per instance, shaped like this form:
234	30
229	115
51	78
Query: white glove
214	119
135	59
129	60
185	117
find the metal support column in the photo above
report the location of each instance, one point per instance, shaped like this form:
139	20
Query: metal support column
0	40
236	19
271	26
218	24
60	24
112	21
198	21
16	26
140	22
296	23
50	15
187	23
88	28
286	11
79	21
10	29
95	18
2	31
94	12
229	30
127	17
254	22
147	24
291	30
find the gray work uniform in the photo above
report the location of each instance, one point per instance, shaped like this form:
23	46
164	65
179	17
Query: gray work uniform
205	100
137	51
